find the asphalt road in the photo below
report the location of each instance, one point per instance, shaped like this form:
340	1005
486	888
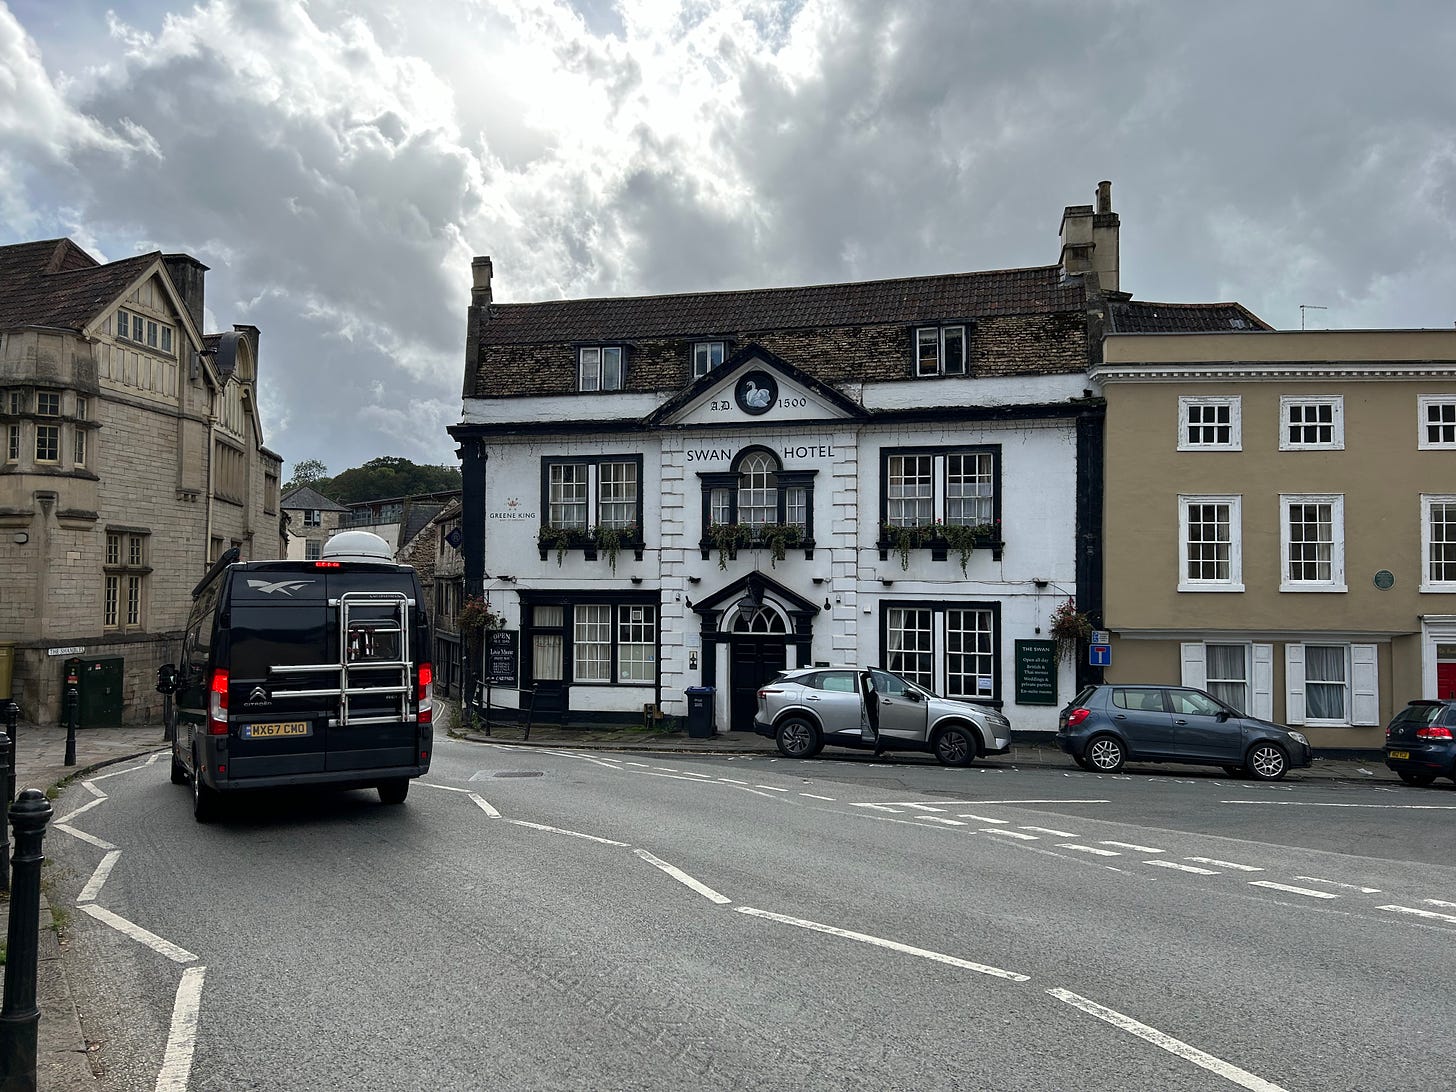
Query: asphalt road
576	920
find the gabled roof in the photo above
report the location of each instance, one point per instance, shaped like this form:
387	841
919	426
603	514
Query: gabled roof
309	498
55	283
752	354
1040	289
1145	317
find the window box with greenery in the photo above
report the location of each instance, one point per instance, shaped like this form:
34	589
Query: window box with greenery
591	541
940	539
777	538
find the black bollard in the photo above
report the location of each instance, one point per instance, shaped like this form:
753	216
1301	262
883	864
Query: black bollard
12	714
73	701
19	1016
7	776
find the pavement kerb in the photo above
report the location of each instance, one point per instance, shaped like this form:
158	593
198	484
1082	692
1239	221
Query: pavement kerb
1371	769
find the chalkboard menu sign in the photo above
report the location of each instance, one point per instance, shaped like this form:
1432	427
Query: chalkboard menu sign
1036	673
500	657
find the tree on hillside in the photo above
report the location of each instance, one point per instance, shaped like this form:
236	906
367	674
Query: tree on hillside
390	476
309	472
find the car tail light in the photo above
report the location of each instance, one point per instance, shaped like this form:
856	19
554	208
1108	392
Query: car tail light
1435	731
426	712
217	704
767	690
1077	716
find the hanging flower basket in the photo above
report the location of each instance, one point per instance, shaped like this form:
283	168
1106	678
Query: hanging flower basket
1070	629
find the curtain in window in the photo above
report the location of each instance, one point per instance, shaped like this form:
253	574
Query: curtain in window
1227	676
1324	682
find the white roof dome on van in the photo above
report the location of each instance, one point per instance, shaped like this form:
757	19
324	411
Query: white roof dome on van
357	546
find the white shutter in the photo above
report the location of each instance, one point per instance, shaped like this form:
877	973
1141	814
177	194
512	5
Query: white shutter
1262	682
1195	671
1365	685
1294	683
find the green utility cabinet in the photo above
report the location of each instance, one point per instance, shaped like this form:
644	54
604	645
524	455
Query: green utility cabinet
99	688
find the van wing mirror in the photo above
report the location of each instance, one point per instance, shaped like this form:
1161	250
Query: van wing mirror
167	679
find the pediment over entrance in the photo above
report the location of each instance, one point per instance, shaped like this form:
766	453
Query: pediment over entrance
760	588
755	387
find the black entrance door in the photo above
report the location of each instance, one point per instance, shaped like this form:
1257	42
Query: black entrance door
753	660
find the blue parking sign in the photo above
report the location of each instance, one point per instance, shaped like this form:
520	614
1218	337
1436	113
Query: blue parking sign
1099	655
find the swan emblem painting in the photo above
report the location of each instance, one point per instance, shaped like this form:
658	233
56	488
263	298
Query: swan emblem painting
757	392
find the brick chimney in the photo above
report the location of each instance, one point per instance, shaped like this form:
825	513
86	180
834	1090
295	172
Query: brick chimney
480	274
1089	242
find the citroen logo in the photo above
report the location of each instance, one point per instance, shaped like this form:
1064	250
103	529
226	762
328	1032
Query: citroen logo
258	694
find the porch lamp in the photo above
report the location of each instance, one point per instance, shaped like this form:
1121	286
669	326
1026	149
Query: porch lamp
747	608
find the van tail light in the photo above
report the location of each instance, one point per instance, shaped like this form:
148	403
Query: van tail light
1077	716
217	704
426	713
1435	731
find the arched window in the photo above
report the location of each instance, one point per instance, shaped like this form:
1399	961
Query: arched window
758	490
764	620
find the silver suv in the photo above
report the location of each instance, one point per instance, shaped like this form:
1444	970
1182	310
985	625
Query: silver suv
872	709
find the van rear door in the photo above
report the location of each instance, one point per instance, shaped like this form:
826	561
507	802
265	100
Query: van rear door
377	724
283	681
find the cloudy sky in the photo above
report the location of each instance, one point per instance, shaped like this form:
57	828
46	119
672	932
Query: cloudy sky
337	164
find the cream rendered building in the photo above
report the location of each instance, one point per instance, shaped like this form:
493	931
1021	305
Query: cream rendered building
1280	520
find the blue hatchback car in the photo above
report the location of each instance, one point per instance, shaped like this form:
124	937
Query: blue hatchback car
1419	744
1107	725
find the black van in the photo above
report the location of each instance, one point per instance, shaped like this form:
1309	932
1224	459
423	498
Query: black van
303	673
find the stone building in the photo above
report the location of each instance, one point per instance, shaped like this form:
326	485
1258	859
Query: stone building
707	488
313	519
134	457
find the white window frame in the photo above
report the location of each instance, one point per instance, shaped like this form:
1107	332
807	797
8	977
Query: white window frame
1424	405
1337	421
596	496
1234	404
1428	583
1336	582
592	374
1362	685
942	365
1259	661
713	352
1235	582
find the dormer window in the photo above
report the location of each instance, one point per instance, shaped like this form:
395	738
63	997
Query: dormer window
707	355
599	368
940	350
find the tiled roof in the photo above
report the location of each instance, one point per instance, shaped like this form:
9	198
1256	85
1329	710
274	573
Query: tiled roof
305	497
1143	317
55	283
1036	290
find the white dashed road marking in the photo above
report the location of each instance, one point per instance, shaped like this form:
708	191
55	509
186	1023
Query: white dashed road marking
1416	912
981	818
881	942
1184	868
182	1038
1134	847
1049	830
1010	833
98	878
813	796
1089	849
140	935
1438	902
1229	1072
1336	883
1231	864
940	819
560	830
1292	890
683	878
